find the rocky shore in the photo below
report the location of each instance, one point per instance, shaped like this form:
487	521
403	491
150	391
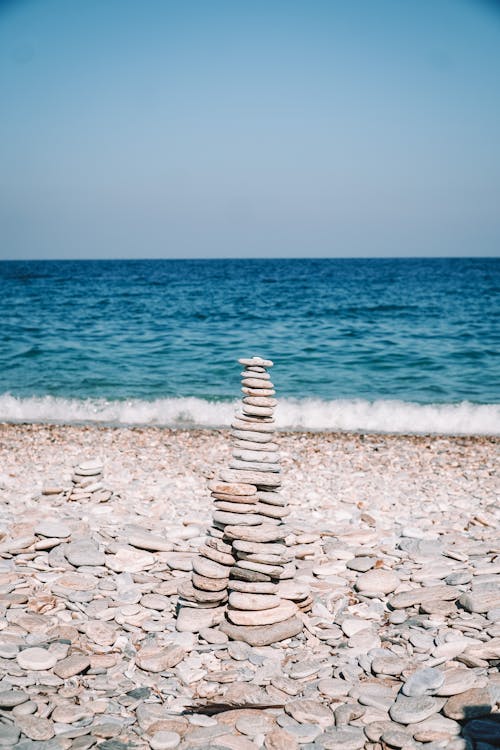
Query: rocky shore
395	539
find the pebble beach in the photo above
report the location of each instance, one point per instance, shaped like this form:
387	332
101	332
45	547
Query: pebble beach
396	539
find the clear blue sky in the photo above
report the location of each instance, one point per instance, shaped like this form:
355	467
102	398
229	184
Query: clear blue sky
161	128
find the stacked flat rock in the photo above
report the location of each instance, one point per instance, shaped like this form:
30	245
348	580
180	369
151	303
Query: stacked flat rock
250	513
207	591
87	483
244	559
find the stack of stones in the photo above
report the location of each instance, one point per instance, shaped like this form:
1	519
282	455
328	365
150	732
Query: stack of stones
245	558
87	483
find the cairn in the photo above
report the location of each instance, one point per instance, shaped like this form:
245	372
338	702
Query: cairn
86	484
245	558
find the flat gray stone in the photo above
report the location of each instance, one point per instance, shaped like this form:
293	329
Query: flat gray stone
408	710
423	682
344	738
84	552
11	698
9	734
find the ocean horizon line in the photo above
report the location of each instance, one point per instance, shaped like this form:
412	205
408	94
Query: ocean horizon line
254	257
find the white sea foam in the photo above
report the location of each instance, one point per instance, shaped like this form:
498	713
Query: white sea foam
307	414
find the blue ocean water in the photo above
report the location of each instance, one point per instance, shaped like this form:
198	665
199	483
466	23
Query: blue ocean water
383	344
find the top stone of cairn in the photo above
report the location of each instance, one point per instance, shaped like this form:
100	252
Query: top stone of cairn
255	362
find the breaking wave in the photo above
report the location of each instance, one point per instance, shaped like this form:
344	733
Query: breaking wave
390	416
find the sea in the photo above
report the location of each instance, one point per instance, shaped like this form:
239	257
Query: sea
378	345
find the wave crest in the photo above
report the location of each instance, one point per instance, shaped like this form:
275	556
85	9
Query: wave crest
307	414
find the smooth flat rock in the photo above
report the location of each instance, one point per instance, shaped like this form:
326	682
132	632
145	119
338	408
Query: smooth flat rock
292	590
423	594
52	529
233	506
389	665
377	581
130	560
263	635
263	533
282	612
164	741
9	735
12	698
190	620
280	739
256	548
481	601
240	600
72	665
456	681
84	552
252	587
260	400
154	659
310	712
269	570
100	632
272	511
423	682
259	466
469	704
258	722
236	519
343	738
260	557
209	568
257	478
36	659
146	540
263	456
209	584
211	553
232	488
253	380
256	411
377	695
263	437
253	425
35	727
437	723
249	445
188	591
255	361
412	710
